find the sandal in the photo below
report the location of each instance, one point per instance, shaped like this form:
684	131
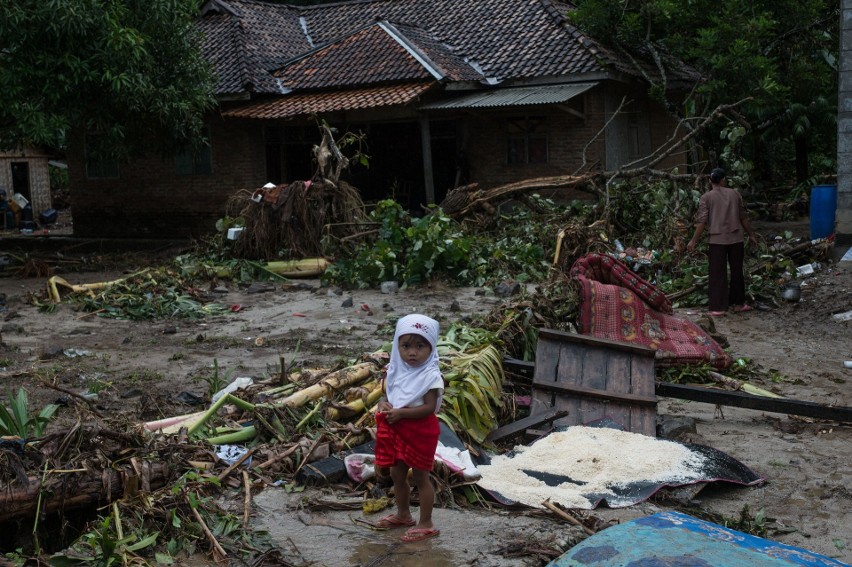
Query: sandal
743	308
717	313
419	534
393	521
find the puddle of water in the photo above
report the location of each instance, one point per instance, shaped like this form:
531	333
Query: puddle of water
398	554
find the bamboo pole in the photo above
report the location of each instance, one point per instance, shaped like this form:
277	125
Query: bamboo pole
328	385
738	385
218	551
355	406
568	517
246	500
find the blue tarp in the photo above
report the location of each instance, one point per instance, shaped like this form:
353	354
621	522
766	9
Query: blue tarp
672	539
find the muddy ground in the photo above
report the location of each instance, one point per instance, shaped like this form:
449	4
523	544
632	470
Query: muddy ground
140	369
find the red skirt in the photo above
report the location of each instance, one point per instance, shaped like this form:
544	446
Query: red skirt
412	441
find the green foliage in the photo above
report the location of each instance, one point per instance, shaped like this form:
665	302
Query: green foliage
778	56
473	368
102	547
17	420
159	294
406	250
656	210
130	71
518	246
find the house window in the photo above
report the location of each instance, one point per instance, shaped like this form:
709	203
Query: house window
198	162
99	165
527	140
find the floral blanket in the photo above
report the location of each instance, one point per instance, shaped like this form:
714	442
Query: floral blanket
617	304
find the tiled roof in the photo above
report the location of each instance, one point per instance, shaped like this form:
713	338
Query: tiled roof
300	104
370	55
507	38
503	39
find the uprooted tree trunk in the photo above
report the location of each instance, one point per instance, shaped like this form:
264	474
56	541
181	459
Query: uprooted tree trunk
68	491
468	200
297	217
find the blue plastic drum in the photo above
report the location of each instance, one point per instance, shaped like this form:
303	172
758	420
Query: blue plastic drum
823	209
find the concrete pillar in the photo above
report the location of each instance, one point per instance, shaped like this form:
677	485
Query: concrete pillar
844	125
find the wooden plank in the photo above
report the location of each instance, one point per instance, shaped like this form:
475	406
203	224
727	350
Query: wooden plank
519	366
522	424
748	401
571	362
643	374
593	378
726	397
562	336
547	355
599	394
620	380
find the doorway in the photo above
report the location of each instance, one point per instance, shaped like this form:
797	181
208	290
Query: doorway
21	179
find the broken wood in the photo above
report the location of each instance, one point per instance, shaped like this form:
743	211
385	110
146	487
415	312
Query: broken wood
523	424
463	201
246	500
70	490
567	517
219	553
225	473
748	401
728	398
593	378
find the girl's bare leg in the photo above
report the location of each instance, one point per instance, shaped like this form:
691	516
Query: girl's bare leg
427	498
401	491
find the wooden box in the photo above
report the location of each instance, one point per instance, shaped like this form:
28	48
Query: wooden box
593	378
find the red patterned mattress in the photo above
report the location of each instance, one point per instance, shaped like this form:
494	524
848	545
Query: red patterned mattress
617	304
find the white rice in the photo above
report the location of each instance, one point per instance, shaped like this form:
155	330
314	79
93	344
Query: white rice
599	458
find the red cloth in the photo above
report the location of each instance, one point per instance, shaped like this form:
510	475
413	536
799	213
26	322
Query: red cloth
412	441
613	309
607	269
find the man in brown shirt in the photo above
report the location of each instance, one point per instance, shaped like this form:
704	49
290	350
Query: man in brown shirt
722	213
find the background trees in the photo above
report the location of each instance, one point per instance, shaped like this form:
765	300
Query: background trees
129	71
778	55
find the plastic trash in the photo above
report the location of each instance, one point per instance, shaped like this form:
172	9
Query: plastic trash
846	316
360	466
808	269
232	453
237	384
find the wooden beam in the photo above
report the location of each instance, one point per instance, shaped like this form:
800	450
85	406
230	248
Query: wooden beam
426	142
522	424
582	391
595	342
748	401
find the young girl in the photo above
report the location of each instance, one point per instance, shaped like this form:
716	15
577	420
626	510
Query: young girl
407	433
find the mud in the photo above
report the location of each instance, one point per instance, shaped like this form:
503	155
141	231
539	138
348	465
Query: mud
139	368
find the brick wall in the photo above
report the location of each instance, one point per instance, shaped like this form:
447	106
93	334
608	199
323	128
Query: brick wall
149	199
568	137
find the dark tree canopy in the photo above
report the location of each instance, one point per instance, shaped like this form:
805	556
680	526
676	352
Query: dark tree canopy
130	71
781	55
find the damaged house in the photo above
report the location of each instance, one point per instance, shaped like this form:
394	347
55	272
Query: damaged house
446	92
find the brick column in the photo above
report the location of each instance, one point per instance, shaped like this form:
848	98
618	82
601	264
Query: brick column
844	125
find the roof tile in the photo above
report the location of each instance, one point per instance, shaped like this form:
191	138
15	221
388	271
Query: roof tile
302	104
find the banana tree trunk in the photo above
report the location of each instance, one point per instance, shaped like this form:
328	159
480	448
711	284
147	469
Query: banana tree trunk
328	385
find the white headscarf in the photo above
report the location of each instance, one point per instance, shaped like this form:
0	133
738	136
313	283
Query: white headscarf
406	383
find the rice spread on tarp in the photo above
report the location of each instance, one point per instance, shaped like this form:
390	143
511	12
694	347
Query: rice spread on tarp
591	463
